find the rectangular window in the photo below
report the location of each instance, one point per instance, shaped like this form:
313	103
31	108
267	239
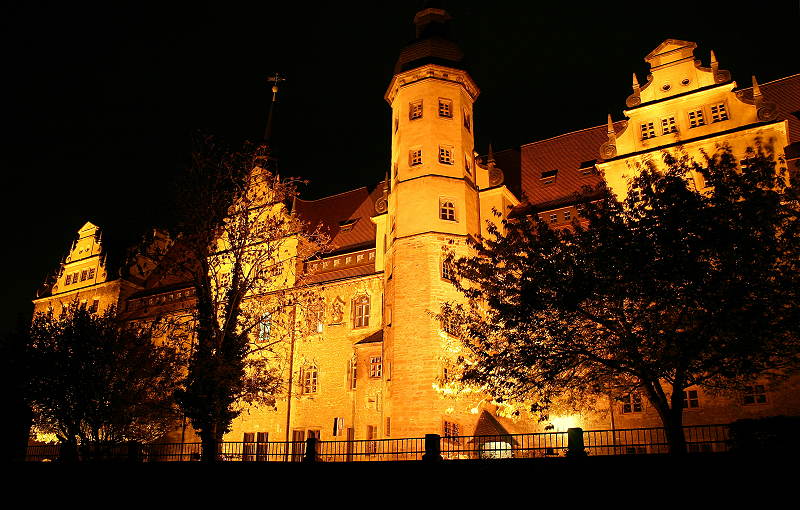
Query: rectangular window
338	426
447	271
451	431
361	312
372	434
549	177
352	373
668	126
719	112
690	399
467	164
567	215
415	110
388	430
553	217
696	118
445	155
445	108
264	327
83	274
75	277
249	446
648	130
68	279
447	210
755	394
632	403
308	380
415	157
375	366
262	446
95	305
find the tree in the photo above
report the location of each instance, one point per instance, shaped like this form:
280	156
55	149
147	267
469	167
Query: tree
670	288
94	381
241	249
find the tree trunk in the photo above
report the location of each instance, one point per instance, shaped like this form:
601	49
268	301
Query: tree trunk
210	444
673	423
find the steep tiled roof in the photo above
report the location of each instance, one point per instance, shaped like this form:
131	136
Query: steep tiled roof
785	93
344	217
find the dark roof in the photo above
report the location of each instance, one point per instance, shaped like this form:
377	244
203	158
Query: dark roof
375	337
332	214
785	93
432	45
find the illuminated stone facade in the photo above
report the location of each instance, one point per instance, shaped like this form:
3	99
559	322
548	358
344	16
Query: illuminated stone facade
367	362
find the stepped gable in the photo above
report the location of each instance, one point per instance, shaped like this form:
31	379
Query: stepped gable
344	217
571	155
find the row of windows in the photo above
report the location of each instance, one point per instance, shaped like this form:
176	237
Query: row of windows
696	117
446	157
444	110
309	375
753	394
79	276
84	304
361	315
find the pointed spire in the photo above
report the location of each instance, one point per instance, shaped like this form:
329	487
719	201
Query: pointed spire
635	84
612	135
756	90
490	156
714	63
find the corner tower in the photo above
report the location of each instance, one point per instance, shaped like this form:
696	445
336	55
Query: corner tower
432	202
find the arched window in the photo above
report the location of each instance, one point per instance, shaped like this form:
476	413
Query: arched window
264	327
361	312
308	380
447	210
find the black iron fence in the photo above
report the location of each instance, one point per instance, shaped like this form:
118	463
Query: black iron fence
576	441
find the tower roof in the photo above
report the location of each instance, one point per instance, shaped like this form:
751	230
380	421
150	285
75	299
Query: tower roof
433	43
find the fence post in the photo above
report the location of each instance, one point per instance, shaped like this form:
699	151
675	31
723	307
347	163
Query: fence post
433	448
134	451
311	450
575	442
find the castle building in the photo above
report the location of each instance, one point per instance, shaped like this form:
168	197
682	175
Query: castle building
367	364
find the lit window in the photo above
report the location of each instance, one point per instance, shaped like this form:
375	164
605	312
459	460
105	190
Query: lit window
549	177
696	118
567	215
467	121
83	274
755	394
447	210
415	110
415	157
690	399
445	155
264	327
445	108
553	217
668	126
68	279
308	380
648	130
361	312
719	112
375	366
632	403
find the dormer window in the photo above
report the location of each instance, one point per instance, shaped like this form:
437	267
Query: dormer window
415	110
445	108
648	130
696	118
347	225
549	177
668	125
719	112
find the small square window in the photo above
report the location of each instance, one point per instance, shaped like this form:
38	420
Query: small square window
68	279
83	274
375	367
632	403
719	112
754	394
668	126
696	118
415	157
415	110
648	130
445	155
690	399
567	215
553	217
445	108
447	210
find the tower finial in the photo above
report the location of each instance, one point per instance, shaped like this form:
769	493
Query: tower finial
609	149
490	157
756	89
714	63
611	132
635	84
275	81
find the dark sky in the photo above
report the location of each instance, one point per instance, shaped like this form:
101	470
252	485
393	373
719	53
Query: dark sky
101	99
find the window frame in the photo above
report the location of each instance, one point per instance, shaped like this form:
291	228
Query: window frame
631	403
375	367
415	109
445	108
448	210
361	311
446	155
415	156
309	380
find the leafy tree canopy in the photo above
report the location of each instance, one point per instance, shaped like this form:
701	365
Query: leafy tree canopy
670	288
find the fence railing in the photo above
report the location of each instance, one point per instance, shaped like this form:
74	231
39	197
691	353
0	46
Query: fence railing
699	438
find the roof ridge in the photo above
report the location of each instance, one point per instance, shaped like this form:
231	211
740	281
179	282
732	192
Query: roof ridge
570	133
773	81
334	195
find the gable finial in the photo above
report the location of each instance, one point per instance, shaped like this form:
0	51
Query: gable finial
756	90
714	63
635	84
609	149
490	156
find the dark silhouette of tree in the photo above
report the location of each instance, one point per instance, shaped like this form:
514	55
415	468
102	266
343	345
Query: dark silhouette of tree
241	248
670	288
94	381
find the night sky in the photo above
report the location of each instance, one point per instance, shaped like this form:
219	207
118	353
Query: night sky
101	99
